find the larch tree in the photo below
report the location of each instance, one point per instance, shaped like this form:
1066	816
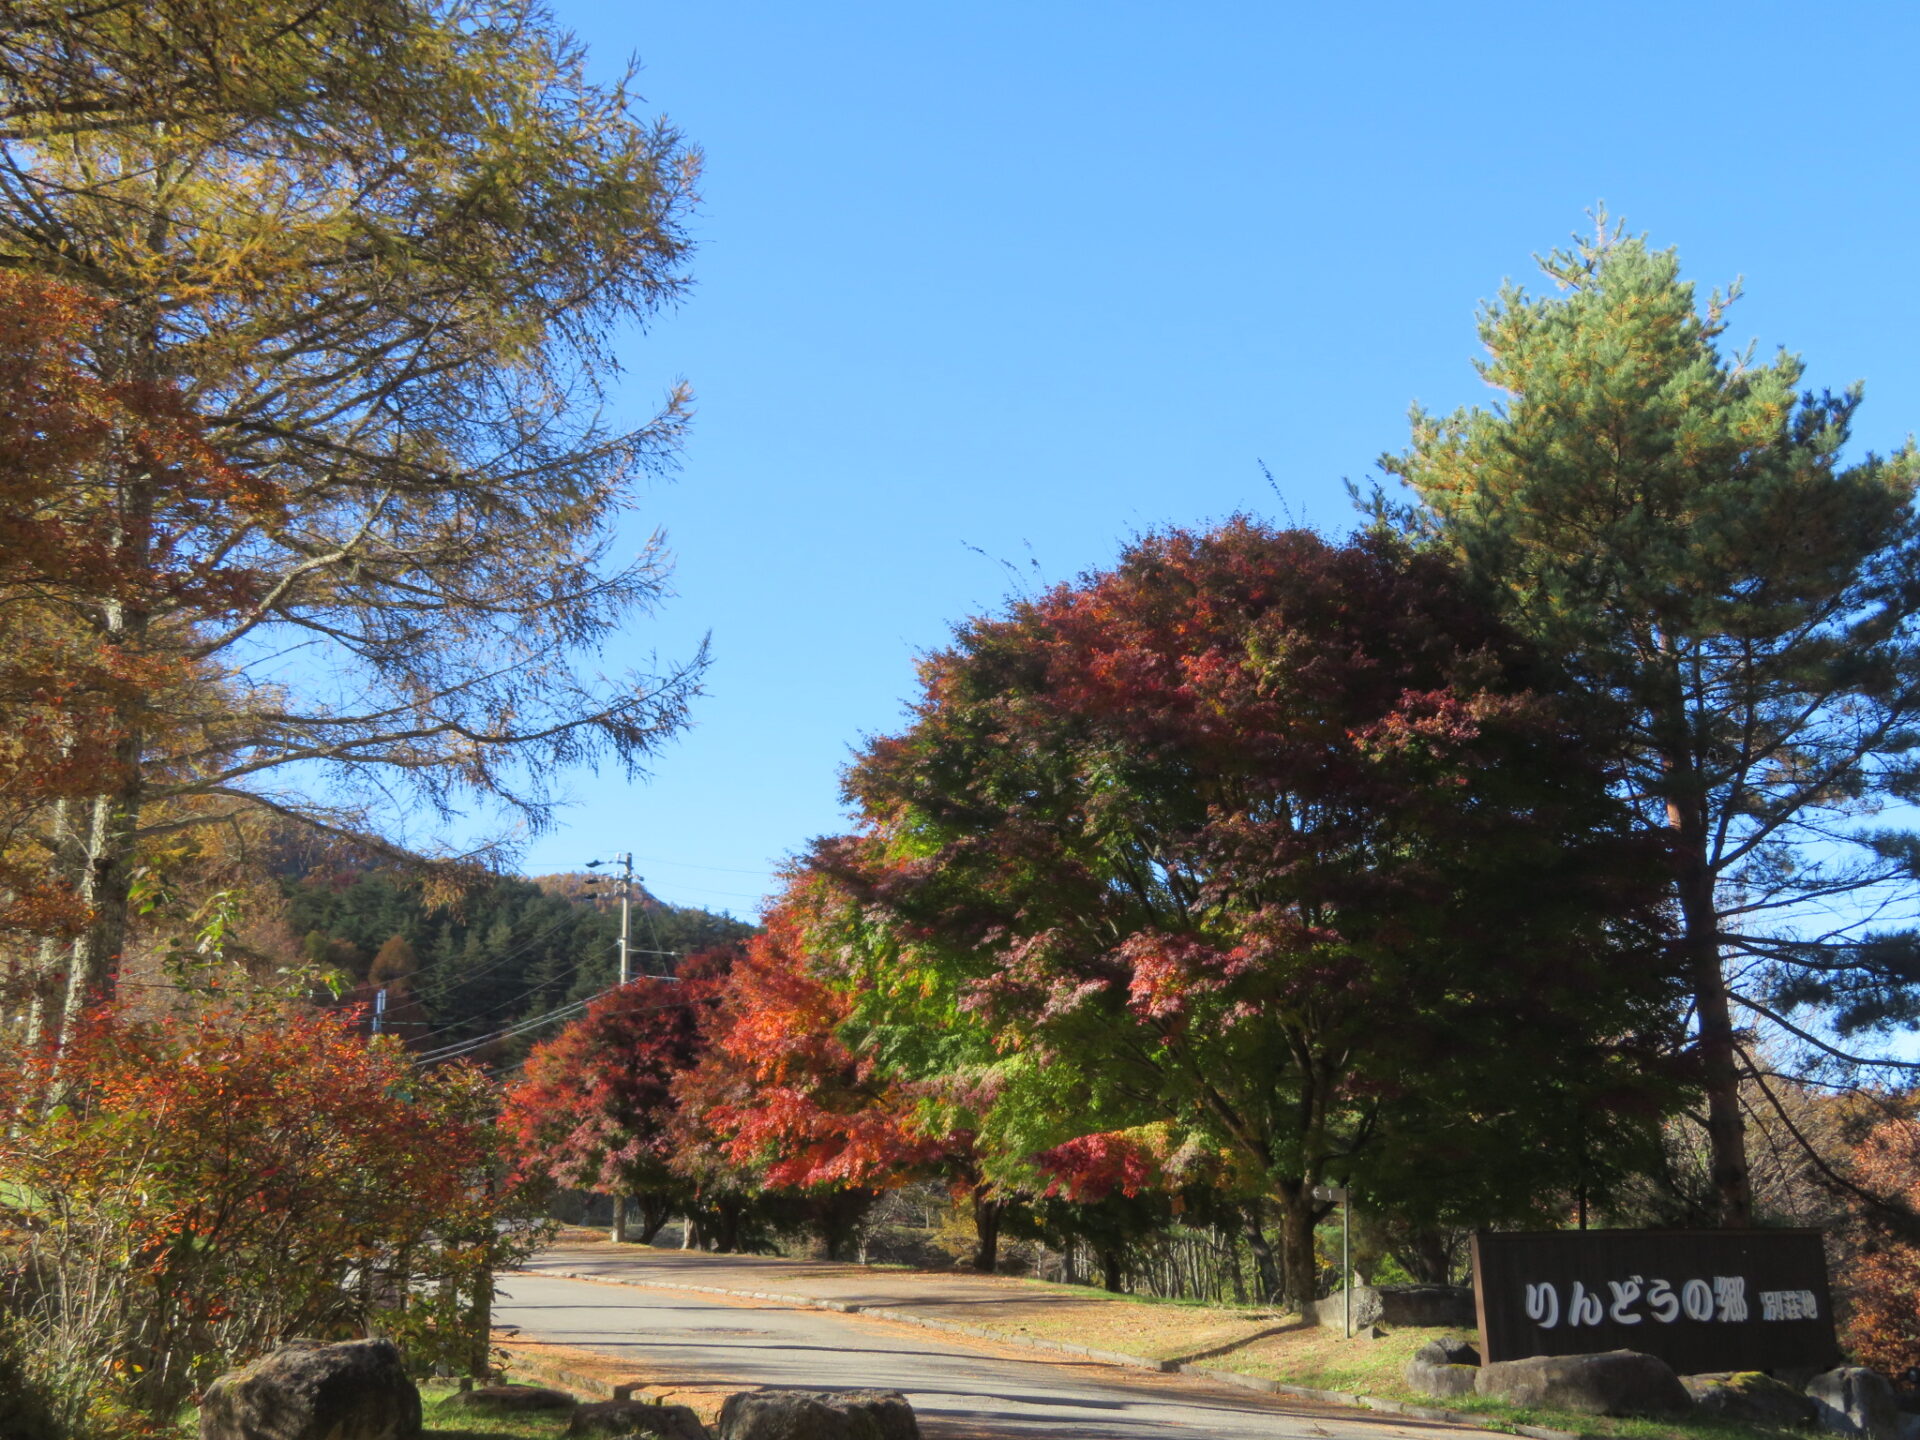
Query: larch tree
381	251
1685	525
1290	847
63	689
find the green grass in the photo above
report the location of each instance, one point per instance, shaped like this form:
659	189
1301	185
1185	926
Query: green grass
1500	1415
441	1419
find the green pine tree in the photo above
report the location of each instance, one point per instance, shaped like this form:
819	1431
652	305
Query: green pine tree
1683	523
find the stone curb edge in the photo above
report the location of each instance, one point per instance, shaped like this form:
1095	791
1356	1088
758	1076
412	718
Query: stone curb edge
1109	1357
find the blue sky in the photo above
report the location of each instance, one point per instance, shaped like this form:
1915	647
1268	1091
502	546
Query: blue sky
1010	283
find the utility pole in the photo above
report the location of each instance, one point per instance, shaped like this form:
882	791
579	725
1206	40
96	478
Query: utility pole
626	915
625	861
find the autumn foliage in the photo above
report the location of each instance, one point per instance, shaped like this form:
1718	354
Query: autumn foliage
596	1104
206	1186
1883	1279
1291	846
783	1092
69	686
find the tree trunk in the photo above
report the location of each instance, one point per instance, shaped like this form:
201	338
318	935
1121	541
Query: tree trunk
1688	827
106	876
1230	1259
655	1211
1299	1262
1424	1256
1111	1273
619	1231
986	1231
1265	1268
1719	1059
724	1236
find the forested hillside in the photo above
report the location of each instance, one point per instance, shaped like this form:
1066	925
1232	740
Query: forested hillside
490	963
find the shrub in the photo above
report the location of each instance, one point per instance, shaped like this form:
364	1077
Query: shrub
187	1192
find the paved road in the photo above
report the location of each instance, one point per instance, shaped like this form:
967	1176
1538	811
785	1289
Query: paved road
957	1387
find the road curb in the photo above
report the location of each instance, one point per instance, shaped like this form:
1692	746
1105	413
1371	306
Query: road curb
1083	1352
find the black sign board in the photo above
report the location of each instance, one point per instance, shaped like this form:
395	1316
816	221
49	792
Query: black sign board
1701	1300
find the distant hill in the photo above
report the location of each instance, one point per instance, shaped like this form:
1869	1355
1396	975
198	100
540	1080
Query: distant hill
497	959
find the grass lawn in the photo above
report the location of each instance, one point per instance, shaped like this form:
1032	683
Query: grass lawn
443	1419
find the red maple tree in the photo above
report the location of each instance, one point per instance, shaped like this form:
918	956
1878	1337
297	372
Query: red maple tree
1293	846
596	1105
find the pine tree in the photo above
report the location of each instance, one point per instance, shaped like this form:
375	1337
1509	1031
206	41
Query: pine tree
1682	523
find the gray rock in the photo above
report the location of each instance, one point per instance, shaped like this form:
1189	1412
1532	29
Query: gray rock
1615	1382
1399	1305
1448	1350
818	1415
355	1391
509	1400
1446	1367
1750	1398
626	1418
1853	1400
1449	1382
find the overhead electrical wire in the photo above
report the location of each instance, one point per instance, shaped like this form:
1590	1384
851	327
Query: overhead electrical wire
531	1022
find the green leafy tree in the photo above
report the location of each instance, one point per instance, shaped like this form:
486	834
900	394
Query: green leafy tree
1683	524
1285	846
378	250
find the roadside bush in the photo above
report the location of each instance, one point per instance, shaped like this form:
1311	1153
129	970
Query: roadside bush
185	1193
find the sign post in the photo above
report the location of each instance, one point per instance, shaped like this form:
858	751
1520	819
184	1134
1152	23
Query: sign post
1339	1192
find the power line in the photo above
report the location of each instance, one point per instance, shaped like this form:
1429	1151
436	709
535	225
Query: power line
534	1022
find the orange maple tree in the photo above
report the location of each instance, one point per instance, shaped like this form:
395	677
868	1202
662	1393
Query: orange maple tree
781	1096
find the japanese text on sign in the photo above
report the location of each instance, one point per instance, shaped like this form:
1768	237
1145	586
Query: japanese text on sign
1637	1299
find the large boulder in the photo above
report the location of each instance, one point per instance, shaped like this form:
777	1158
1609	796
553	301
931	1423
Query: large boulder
625	1418
509	1400
1422	1305
1447	1368
1853	1400
1615	1382
355	1391
818	1415
1750	1398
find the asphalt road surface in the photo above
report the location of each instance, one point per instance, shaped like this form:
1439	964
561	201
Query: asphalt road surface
957	1387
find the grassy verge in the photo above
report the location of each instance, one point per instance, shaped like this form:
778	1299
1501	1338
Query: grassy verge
1324	1359
457	1424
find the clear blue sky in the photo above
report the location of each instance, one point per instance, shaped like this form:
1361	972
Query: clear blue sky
1026	279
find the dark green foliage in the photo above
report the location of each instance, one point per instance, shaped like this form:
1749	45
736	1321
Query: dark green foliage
1684	525
510	949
